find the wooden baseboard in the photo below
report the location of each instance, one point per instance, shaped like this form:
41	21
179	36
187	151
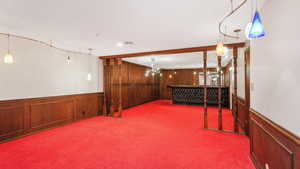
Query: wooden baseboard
25	116
272	145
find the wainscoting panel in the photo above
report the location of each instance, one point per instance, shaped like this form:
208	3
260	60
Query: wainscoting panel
50	112
243	114
271	145
21	117
12	116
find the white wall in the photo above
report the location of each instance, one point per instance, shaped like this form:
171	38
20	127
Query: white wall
40	70
275	59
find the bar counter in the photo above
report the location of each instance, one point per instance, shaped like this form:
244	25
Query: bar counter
194	95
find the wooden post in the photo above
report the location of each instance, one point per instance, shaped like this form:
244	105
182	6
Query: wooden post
105	70
120	109
205	89
220	118
112	96
235	104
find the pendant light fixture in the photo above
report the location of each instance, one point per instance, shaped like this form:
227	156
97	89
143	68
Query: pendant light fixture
257	28
8	58
220	49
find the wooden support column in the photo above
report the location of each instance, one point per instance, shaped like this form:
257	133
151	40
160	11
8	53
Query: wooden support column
220	118
106	87
112	77
120	109
205	89
235	104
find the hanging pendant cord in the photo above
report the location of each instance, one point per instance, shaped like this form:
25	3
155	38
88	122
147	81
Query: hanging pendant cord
228	15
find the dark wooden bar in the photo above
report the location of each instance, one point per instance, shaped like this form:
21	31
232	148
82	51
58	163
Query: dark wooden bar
193	95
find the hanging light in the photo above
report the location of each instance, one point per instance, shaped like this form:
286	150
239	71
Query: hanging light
257	28
8	58
221	49
154	69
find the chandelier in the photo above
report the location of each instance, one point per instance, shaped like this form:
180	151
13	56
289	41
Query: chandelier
154	69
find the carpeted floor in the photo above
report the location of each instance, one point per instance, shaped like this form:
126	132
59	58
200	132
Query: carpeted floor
155	135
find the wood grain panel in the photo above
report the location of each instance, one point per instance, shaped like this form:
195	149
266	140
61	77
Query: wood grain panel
11	118
272	145
24	116
47	112
243	114
136	88
182	77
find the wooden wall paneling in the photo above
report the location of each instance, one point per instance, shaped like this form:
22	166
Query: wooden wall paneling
51	111
243	114
235	104
136	88
12	118
205	89
182	77
220	116
272	145
21	117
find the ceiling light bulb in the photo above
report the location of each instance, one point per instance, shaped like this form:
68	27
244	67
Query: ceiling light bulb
8	58
120	44
220	49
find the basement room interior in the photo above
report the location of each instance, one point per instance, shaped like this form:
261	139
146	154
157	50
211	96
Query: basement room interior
149	84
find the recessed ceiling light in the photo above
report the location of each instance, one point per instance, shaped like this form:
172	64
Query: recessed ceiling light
120	44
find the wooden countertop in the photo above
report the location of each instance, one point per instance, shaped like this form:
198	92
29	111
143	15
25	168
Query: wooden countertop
191	86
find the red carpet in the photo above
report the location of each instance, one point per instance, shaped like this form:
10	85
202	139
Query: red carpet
156	135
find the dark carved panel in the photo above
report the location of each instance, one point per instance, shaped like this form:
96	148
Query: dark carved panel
195	95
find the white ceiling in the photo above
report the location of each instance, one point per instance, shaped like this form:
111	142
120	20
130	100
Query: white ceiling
181	60
150	24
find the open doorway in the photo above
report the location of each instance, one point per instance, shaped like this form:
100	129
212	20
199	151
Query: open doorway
178	76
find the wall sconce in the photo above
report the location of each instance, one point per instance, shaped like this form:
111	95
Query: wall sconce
170	76
89	77
68	60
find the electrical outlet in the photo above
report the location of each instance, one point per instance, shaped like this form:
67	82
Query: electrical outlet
267	166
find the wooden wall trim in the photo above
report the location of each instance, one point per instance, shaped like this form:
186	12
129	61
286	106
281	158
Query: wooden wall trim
243	114
173	51
24	116
272	144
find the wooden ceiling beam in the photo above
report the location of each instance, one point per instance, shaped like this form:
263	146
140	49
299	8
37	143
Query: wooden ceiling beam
173	51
